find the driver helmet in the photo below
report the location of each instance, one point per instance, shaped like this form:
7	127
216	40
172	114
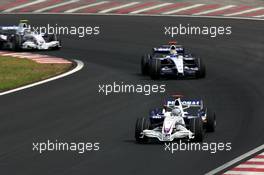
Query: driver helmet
173	50
176	112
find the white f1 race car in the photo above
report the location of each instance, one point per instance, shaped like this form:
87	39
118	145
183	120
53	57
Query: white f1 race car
22	38
172	61
179	119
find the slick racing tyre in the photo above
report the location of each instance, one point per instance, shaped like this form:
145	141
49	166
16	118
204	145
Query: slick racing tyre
53	37
141	124
17	43
196	126
201	73
145	64
1	45
155	67
211	121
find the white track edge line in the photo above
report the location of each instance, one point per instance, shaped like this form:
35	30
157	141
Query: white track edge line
55	6
214	10
182	9
144	15
79	66
236	160
150	8
258	16
85	6
245	11
119	7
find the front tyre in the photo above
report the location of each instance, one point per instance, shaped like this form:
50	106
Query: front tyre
56	38
201	73
53	37
196	126
210	121
155	67
145	65
141	124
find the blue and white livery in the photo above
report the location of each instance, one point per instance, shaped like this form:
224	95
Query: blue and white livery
171	60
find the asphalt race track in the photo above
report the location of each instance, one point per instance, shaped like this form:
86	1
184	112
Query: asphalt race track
71	109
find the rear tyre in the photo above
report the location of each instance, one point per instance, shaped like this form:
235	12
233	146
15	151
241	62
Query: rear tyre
201	73
211	121
155	67
141	124
145	65
196	126
1	45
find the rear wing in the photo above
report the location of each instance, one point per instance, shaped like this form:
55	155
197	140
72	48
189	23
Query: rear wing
7	30
166	48
185	102
192	103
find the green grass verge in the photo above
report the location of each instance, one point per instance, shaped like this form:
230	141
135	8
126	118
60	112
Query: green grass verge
16	72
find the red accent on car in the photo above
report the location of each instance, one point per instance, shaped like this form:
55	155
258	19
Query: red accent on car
177	95
172	42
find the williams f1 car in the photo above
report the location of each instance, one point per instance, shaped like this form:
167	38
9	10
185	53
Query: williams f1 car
191	121
171	60
22	38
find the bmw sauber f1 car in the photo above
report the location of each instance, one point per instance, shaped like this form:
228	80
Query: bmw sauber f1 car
171	60
191	121
22	38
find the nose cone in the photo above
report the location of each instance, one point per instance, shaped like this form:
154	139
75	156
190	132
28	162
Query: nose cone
167	127
166	130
